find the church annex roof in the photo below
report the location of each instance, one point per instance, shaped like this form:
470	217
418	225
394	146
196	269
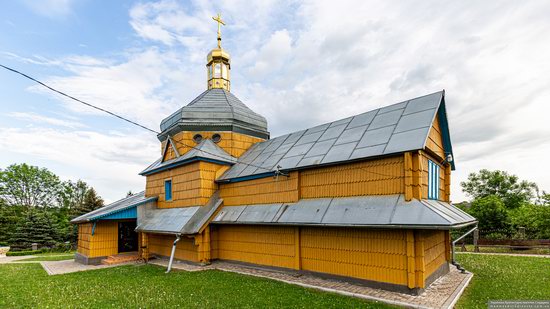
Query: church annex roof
215	109
392	129
115	207
359	211
205	150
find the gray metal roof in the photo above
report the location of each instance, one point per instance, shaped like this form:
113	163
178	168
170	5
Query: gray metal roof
362	211
215	109
186	220
206	149
392	129
120	205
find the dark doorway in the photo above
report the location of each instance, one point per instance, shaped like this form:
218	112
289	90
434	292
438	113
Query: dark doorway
127	237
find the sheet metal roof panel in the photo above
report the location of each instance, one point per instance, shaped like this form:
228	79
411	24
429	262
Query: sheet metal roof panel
332	132
371	151
229	214
263	213
362	119
309	138
351	135
415	120
308	161
288	163
363	210
415	213
429	101
386	119
298	150
376	137
340	122
408	140
320	148
202	215
392	107
339	153
167	220
305	211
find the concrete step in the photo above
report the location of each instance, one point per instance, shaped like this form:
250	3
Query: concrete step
120	258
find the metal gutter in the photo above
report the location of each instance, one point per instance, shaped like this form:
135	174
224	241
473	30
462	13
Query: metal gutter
453	249
382	226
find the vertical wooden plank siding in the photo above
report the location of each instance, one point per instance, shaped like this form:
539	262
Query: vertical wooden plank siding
448	246
263	245
420	266
408	162
435	140
214	241
434	250
447	196
411	262
261	191
417	174
377	255
84	237
233	143
104	242
162	245
192	184
202	240
376	177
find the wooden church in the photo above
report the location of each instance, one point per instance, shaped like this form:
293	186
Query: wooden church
365	198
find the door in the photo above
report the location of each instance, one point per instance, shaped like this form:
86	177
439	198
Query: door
127	237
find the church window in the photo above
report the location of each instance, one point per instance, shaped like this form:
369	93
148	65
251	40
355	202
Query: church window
224	71
433	180
217	70
209	72
197	138
216	138
168	190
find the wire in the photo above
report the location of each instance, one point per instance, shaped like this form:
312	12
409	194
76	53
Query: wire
276	171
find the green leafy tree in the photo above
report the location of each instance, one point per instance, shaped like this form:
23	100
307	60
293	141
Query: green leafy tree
25	185
73	194
92	201
9	217
490	213
534	218
508	188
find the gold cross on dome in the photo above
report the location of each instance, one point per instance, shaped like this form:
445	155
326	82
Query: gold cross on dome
220	22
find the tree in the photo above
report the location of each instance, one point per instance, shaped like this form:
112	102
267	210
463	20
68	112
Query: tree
91	202
36	226
73	194
9	217
25	185
490	213
508	188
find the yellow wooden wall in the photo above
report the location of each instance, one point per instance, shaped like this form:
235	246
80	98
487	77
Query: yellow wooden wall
162	245
378	255
261	191
376	177
84	237
434	143
263	245
233	143
434	250
104	242
402	257
192	184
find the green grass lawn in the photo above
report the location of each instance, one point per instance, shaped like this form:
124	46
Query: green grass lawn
28	285
504	278
58	257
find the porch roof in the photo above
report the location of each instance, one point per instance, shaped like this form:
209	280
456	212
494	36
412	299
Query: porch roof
120	209
388	211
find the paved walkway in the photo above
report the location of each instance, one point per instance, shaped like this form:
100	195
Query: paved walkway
443	293
9	259
70	266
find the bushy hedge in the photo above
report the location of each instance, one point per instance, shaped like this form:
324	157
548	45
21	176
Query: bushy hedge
29	252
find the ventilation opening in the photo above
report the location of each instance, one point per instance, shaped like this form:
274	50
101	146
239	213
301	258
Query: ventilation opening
216	138
197	138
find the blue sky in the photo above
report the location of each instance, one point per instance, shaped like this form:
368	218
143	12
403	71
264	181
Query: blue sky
297	63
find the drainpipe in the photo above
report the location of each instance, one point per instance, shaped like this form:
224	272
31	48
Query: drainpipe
453	249
172	254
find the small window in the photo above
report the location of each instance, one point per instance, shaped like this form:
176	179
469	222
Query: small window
216	138
217	70
209	72
168	190
433	180
224	71
197	138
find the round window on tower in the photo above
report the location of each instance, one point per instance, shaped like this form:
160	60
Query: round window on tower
216	138
197	138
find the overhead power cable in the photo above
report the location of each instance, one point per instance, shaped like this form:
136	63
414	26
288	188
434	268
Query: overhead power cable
276	171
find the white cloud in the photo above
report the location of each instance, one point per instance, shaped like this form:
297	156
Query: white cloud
50	8
108	162
35	118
